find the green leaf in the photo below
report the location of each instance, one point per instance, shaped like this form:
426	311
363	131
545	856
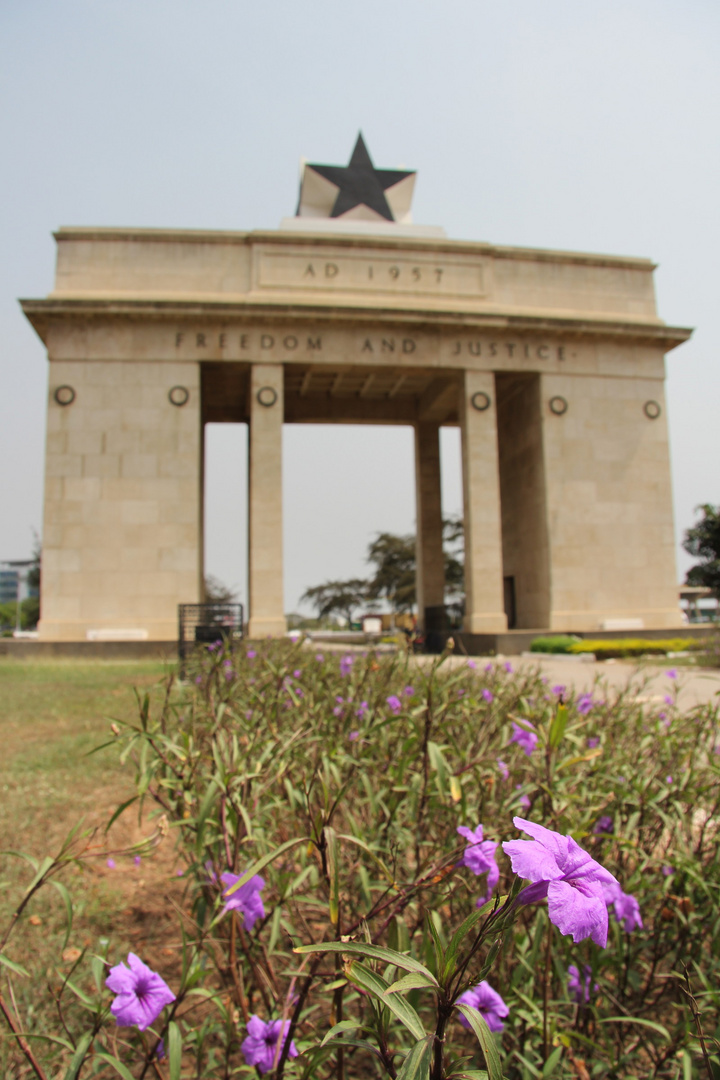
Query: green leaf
464	929
333	873
413	981
362	976
485	1038
120	810
265	861
67	901
653	1024
344	1025
120	1069
79	1056
41	872
174	1047
416	1065
549	1066
469	1074
366	847
557	728
79	993
372	952
12	966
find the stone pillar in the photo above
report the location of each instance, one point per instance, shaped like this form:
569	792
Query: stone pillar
430	568
123	519
481	495
265	548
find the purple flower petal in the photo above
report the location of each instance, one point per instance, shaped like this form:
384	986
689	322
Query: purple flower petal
571	878
246	899
141	993
264	1043
488	1003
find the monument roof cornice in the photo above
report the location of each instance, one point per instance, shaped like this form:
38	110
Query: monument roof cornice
43	313
373	241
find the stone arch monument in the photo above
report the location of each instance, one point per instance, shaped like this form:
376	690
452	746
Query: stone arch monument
550	362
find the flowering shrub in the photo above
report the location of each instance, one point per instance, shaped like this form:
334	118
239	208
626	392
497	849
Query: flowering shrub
334	820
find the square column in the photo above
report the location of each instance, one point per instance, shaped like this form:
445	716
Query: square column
265	547
122	535
430	562
481	496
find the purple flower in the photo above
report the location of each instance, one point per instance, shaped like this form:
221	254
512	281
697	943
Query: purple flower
346	663
572	881
362	709
525	737
508	667
160	1050
668	699
584	704
668	870
141	994
471	664
488	1003
479	857
503	769
337	711
488	668
579	987
559	690
353	735
251	654
198	680
264	1043
339	699
137	860
394	703
603	824
524	801
246	899
487	694
319	657
668	779
409	691
110	864
627	909
297	673
593	741
671	673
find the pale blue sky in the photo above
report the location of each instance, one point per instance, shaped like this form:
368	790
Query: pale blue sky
556	124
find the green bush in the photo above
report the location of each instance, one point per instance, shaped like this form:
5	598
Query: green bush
343	784
554	643
608	647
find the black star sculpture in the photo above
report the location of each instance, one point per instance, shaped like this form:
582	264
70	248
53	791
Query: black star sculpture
360	183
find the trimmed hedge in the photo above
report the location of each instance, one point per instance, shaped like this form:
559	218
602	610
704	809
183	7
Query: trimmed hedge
554	643
634	646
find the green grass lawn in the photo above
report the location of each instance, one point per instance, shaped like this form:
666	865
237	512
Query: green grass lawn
51	716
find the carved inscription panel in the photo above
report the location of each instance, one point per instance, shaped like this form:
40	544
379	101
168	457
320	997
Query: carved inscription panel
370	272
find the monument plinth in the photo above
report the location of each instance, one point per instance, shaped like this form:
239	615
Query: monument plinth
551	363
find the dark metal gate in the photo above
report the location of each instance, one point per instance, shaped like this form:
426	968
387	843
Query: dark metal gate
205	624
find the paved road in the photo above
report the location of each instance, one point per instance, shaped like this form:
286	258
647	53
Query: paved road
697	686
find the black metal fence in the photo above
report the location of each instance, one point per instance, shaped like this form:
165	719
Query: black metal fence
205	624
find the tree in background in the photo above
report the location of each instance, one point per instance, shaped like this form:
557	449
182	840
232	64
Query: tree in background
702	541
337	597
393	560
218	593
